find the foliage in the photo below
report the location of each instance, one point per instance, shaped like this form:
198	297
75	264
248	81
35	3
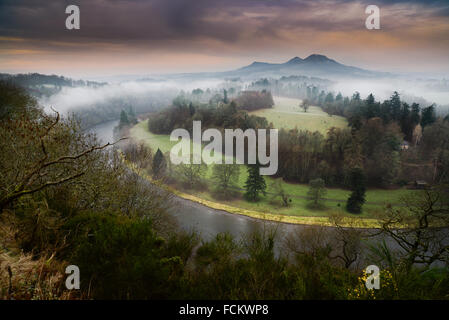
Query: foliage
278	191
357	185
226	177
159	164
253	100
317	192
255	183
192	174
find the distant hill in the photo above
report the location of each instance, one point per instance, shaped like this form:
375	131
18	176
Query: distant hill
313	65
45	85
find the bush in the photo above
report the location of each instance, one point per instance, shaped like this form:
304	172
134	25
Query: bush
122	258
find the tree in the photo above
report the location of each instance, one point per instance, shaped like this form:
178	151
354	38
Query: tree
159	164
124	121
225	96
339	97
372	107
347	237
357	186
191	109
279	191
226	177
428	116
255	183
415	113
424	218
35	162
329	98
305	105
138	153
132	118
192	174
316	192
395	105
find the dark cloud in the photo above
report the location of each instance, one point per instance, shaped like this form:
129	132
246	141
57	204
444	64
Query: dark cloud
214	27
171	20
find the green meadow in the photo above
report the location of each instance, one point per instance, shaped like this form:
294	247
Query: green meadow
376	198
286	113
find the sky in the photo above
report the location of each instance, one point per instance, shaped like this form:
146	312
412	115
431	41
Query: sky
171	36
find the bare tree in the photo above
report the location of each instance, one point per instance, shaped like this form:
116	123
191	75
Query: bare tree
348	244
420	228
305	105
34	162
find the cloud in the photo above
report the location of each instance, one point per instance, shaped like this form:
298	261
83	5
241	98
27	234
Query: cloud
233	28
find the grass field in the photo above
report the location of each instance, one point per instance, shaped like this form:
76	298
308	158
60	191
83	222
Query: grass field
287	114
376	198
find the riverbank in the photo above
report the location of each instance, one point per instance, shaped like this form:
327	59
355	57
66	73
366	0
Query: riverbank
362	223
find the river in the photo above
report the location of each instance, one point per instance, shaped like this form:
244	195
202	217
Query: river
209	222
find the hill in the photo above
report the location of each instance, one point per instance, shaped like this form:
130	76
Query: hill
313	65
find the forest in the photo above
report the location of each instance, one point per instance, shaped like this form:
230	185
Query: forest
395	143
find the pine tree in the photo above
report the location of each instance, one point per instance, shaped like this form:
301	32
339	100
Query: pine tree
159	164
124	121
415	114
254	184
371	107
191	109
428	116
225	96
395	104
132	118
357	197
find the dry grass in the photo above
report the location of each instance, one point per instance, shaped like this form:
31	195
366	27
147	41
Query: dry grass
24	277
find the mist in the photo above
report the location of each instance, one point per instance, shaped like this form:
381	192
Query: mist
143	92
420	91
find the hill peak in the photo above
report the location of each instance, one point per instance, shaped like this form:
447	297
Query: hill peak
317	58
295	60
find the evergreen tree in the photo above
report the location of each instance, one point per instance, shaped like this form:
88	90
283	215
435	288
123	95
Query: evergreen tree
428	116
225	96
124	121
371	107
255	183
191	109
356	97
415	114
159	164
385	111
329	98
395	104
406	122
357	186
132	118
